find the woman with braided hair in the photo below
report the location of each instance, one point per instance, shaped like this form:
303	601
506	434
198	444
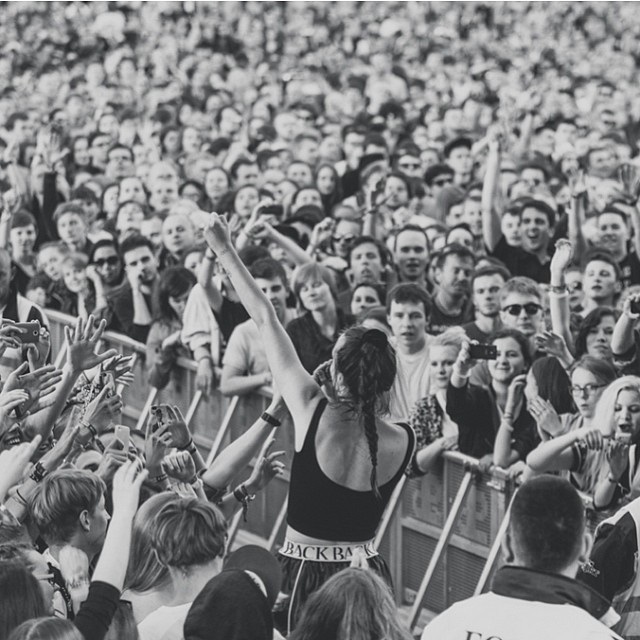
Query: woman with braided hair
347	458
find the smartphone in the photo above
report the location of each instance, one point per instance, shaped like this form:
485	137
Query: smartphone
123	434
156	412
276	210
31	335
483	352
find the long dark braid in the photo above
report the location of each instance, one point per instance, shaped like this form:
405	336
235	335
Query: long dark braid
368	366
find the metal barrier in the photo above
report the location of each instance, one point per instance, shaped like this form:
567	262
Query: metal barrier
440	534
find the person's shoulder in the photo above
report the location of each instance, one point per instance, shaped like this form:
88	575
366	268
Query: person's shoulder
121	291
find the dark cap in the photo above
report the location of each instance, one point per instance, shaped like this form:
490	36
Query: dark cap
259	561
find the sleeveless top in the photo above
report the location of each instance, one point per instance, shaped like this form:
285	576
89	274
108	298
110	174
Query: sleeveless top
321	508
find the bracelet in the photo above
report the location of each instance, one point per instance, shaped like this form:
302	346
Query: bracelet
194	479
558	289
163	477
267	417
190	446
38	472
89	427
244	498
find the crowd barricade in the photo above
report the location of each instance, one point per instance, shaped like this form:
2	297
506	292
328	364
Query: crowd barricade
441	534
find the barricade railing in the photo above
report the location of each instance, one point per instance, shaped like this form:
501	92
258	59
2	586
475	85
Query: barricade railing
441	533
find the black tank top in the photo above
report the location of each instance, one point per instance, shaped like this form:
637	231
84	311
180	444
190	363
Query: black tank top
321	508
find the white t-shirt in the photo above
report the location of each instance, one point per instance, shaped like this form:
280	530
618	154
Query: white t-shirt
165	623
411	383
501	618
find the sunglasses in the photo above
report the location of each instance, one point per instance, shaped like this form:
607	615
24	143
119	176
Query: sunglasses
442	182
112	261
349	237
531	308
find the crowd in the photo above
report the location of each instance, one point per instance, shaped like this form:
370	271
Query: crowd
417	224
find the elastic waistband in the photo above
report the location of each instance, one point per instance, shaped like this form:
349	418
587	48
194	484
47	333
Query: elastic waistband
326	552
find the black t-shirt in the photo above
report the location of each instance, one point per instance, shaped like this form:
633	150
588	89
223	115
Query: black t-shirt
474	333
630	268
521	262
439	321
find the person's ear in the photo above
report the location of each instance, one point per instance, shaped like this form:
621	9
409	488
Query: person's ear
585	550
85	521
507	549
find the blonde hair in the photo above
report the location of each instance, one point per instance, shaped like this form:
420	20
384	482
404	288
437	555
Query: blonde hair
604	415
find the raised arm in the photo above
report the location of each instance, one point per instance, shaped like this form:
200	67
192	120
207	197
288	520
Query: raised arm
262	229
504	454
558	295
298	388
490	218
205	280
623	338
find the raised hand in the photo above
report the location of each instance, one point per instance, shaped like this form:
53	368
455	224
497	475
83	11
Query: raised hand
464	363
13	463
177	426
552	344
266	469
103	410
155	446
81	343
217	233
545	415
561	256
126	488
113	458
628	176
37	353
179	465
514	394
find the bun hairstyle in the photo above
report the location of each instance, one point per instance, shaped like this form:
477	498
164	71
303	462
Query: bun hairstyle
367	362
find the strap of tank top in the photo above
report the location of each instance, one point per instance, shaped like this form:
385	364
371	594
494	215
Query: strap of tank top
309	439
411	448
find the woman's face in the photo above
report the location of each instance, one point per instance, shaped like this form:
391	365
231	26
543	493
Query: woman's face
246	200
441	361
626	414
315	295
81	152
364	298
216	183
75	279
510	361
23	239
179	303
171	142
586	391
110	201
396	192
326	181
599	339
192	262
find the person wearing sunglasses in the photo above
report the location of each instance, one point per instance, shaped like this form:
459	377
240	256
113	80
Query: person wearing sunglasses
107	263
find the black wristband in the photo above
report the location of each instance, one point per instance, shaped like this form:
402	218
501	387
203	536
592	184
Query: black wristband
274	422
190	446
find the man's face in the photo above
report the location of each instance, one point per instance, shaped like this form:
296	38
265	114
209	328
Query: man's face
177	233
141	265
308	151
50	262
276	292
613	233
163	194
411	255
247	174
486	290
107	263
410	166
151	229
510	227
300	173
408	324
353	148
286	125
460	160
523	312
454	276
21	131
532	177
600	162
544	142
600	282
129	218
230	123
366	264
72	230
535	230
119	163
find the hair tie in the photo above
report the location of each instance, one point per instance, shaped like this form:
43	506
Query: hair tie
375	337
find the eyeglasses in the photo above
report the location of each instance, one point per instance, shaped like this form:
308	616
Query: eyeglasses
588	389
531	308
112	261
349	237
442	182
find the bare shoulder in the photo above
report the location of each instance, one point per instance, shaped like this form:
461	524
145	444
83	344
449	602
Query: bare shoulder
392	433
